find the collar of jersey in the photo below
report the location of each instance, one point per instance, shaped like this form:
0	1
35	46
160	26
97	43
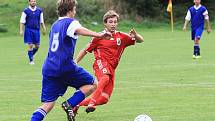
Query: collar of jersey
105	30
197	7
33	9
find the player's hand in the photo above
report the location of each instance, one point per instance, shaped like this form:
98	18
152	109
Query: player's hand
21	33
209	30
44	32
184	28
133	33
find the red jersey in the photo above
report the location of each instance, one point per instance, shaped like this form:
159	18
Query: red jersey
110	50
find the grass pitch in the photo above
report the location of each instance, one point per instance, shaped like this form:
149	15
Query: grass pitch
158	78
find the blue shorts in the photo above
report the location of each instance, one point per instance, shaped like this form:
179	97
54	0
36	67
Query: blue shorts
197	33
31	36
53	87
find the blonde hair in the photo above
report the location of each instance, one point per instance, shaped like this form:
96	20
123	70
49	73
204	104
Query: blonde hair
110	14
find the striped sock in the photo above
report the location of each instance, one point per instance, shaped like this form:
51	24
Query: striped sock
196	50
38	115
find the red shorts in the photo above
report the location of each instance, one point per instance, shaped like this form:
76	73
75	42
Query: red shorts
102	68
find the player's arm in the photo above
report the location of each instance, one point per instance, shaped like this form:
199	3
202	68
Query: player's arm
185	25
207	21
138	37
22	23
44	28
208	26
86	32
88	49
187	20
42	23
80	56
21	29
75	27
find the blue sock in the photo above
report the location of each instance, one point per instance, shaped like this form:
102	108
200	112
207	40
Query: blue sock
76	98
38	115
35	50
196	49
30	55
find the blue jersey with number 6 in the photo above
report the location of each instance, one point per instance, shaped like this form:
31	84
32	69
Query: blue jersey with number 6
61	49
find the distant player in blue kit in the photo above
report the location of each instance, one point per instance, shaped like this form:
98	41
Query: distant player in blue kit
59	70
31	19
197	14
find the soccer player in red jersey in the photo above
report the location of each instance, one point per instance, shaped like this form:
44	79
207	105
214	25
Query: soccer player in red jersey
107	53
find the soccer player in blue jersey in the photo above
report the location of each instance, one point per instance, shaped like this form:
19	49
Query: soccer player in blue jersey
197	14
31	19
59	70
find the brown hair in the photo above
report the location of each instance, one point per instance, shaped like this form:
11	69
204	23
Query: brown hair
64	6
110	14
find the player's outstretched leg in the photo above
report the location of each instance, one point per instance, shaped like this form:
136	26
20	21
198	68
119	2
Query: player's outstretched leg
100	101
69	111
85	102
98	93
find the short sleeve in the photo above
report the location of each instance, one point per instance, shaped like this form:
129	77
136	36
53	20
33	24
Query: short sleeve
205	14
188	16
128	39
23	18
72	29
41	18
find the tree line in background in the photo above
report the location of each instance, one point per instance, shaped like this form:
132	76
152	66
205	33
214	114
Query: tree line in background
129	9
150	13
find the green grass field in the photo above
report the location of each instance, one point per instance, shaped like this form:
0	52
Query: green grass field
158	78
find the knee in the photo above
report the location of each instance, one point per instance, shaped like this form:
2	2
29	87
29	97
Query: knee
89	89
104	80
37	46
197	41
30	46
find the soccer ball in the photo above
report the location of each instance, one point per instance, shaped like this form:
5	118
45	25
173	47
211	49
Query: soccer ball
142	118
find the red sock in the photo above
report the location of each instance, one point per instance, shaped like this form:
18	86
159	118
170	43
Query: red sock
102	100
85	102
98	93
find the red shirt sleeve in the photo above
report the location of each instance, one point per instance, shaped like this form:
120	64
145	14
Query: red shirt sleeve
128	39
91	45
